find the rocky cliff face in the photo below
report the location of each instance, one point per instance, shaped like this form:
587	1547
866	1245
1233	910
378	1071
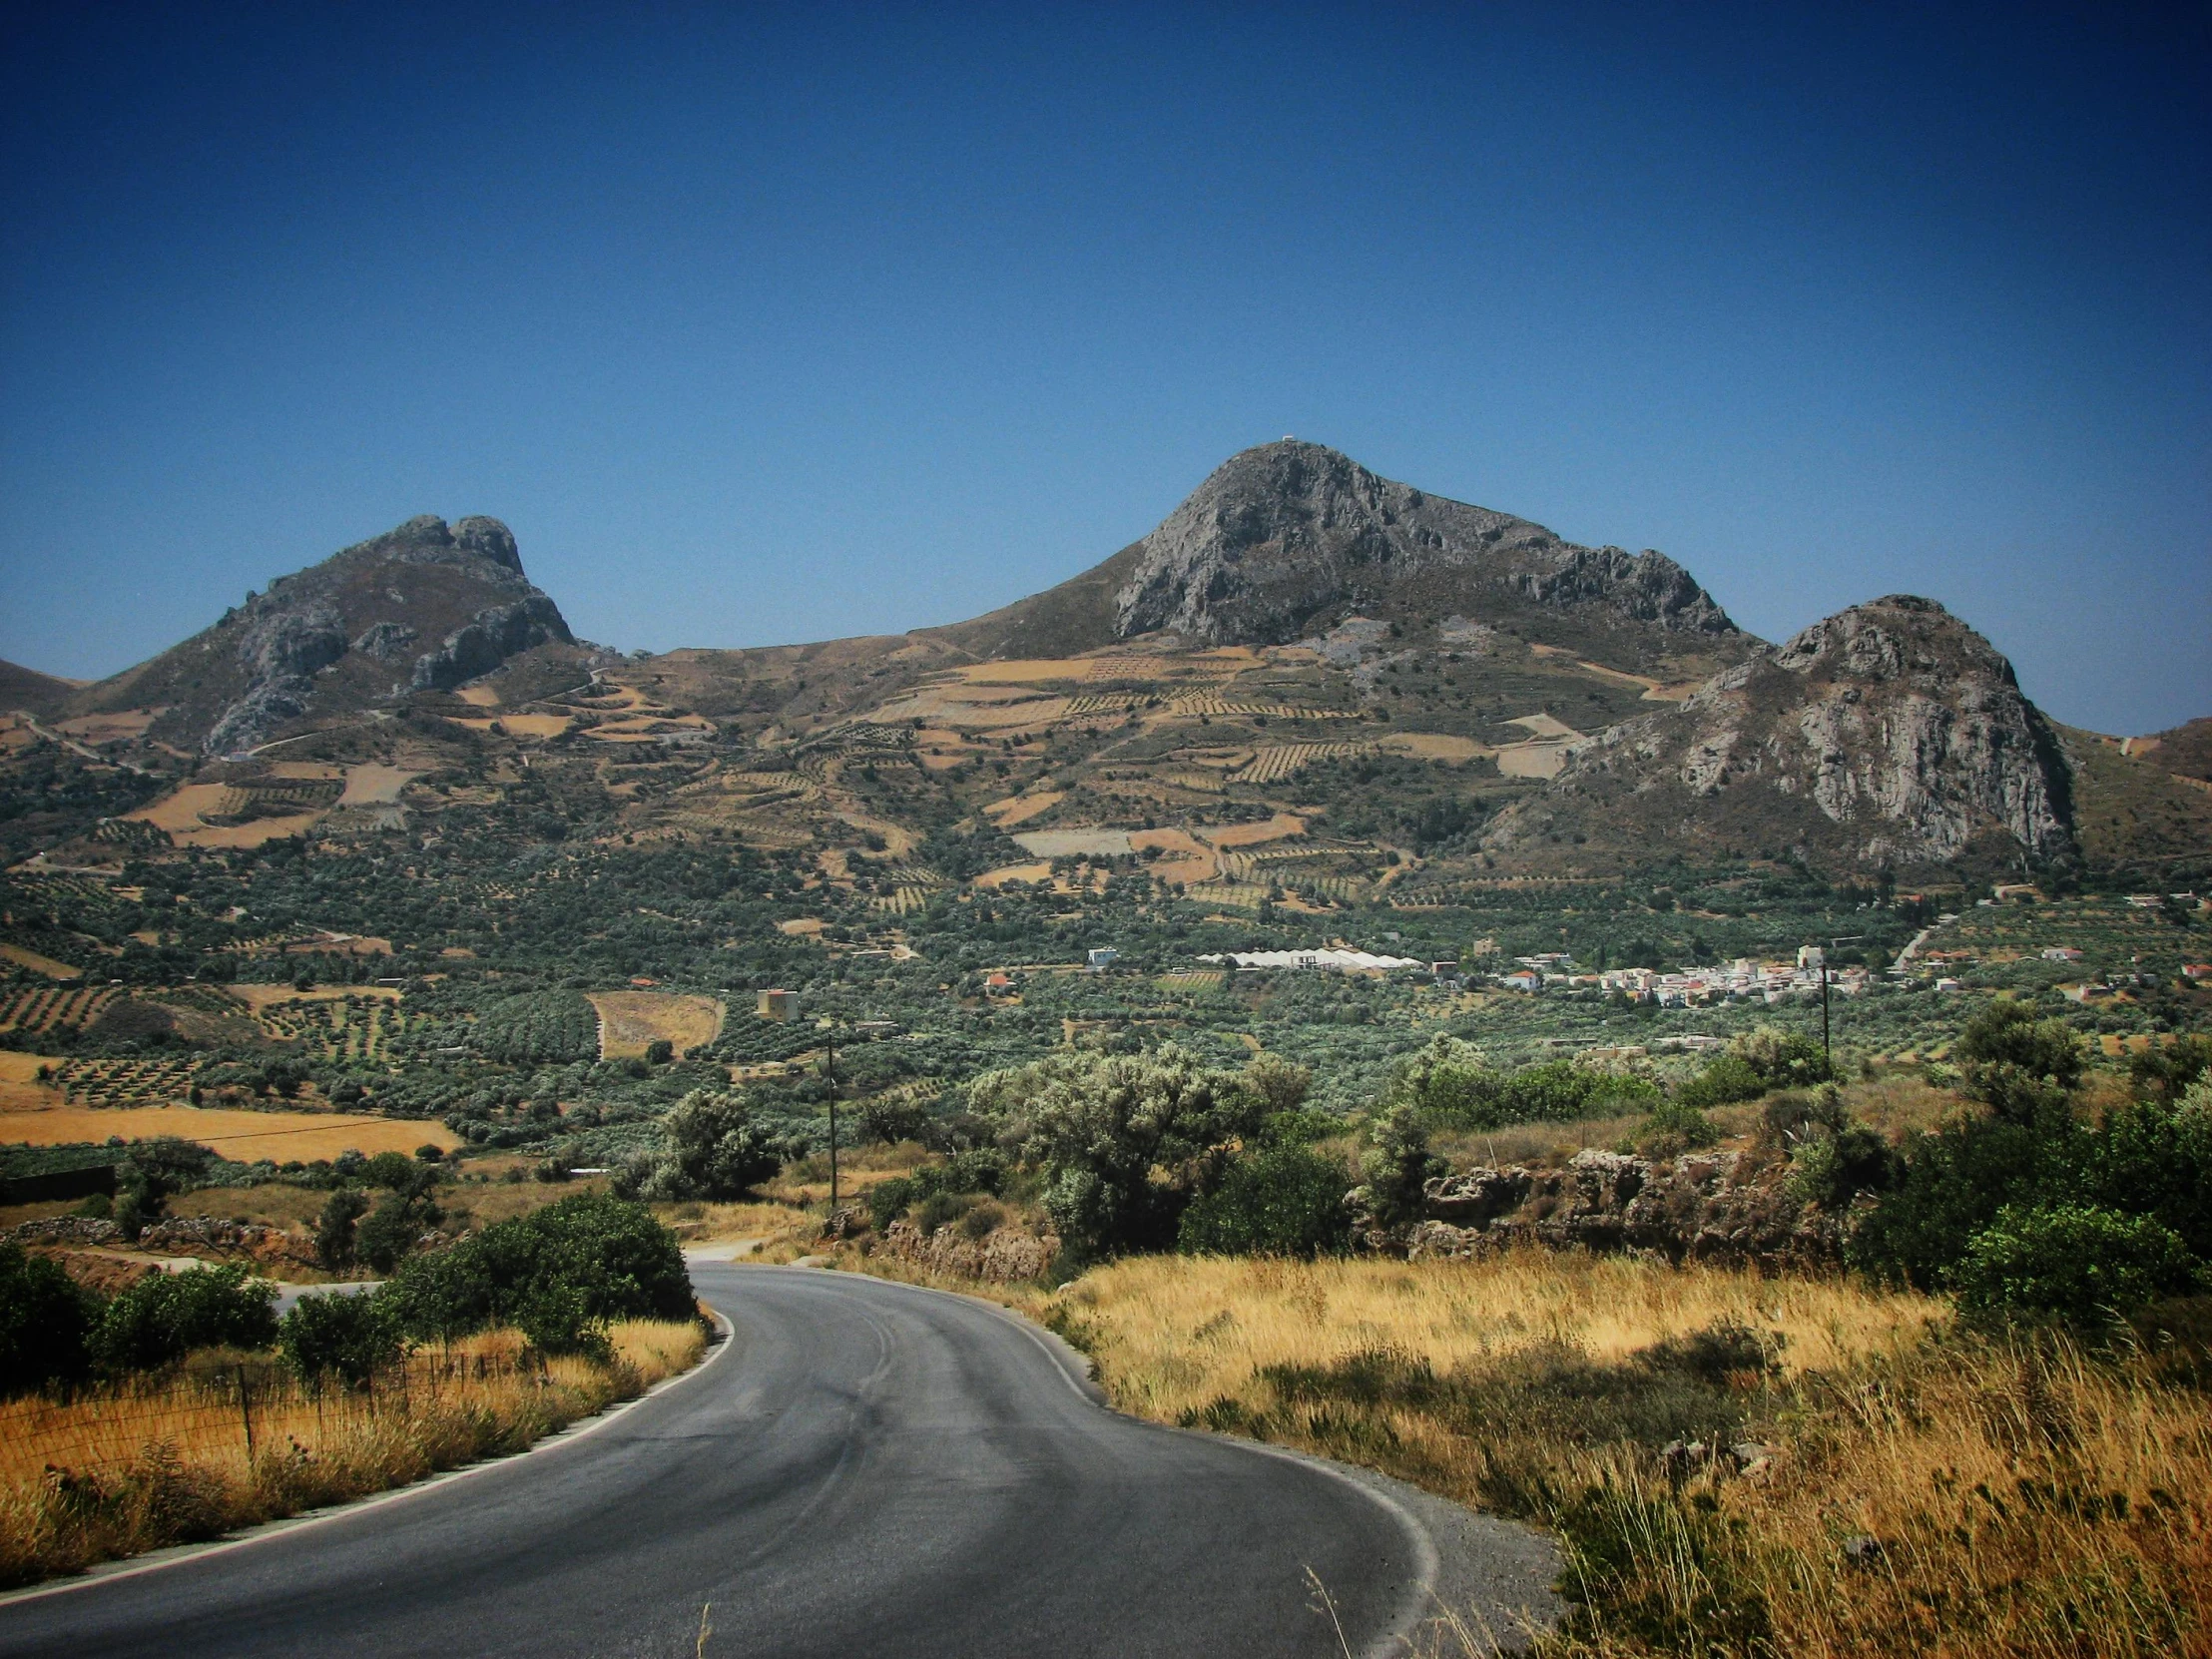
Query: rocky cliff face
1290	534
1889	735
425	606
1286	539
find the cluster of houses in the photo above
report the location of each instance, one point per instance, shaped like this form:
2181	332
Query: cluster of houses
1742	980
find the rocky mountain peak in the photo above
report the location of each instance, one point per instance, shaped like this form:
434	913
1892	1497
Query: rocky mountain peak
1291	534
1890	735
426	605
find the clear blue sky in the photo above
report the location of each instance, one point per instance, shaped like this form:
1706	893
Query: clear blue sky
781	324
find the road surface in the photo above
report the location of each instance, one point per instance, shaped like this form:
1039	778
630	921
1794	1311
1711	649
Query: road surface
868	1469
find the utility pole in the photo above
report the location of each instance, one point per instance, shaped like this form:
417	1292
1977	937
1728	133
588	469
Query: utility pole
832	1075
1827	1065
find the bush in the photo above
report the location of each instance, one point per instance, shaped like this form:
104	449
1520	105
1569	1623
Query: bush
1673	1128
1951	1186
2078	1262
559	1271
1398	1164
335	1233
392	1230
351	1337
1281	1201
718	1152
2016	1064
1832	1170
46	1323
165	1316
2155	1158
1727	1079
1449	1084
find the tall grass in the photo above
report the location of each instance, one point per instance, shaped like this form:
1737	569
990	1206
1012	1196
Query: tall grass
1930	1491
232	1441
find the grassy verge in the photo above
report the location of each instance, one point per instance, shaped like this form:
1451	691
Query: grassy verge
1902	1486
233	1440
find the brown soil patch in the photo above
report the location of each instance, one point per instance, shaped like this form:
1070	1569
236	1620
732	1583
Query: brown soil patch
31	960
1436	746
97	729
1275	828
1020	808
1531	760
629	1020
257	997
241	1136
1014	872
375	785
483	697
801	927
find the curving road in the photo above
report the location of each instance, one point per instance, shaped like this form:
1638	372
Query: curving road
866	1469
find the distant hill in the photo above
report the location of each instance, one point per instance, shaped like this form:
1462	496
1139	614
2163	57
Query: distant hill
32	692
1415	697
420	608
1288	539
1889	735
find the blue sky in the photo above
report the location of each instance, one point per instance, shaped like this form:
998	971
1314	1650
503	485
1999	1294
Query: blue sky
777	325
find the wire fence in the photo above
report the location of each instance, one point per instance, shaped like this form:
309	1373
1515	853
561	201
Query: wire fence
227	1417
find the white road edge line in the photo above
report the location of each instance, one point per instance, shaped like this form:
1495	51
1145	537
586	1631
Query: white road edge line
178	1555
1391	1642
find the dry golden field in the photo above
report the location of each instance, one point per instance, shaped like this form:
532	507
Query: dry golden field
233	1441
242	1137
629	1020
1928	1490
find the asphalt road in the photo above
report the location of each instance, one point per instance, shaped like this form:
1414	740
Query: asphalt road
869	1470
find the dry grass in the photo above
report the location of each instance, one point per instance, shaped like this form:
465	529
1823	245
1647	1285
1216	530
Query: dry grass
629	1020
171	1462
240	1136
2027	1497
1146	1310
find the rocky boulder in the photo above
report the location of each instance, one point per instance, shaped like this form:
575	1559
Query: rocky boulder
1004	1255
1702	1207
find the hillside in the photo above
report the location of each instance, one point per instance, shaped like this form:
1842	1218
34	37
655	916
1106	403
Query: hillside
31	692
422	607
1288	539
1309	685
1887	737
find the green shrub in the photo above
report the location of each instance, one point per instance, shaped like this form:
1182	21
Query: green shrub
1832	1170
716	1150
335	1233
2078	1262
588	1258
165	1316
2156	1157
46	1323
1953	1183
351	1337
2019	1066
1673	1128
391	1230
1727	1079
1279	1201
1398	1164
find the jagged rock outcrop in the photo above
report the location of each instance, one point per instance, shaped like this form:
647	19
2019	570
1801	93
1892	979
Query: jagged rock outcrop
1289	533
1005	1254
326	639
1703	1207
1290	538
1889	735
490	638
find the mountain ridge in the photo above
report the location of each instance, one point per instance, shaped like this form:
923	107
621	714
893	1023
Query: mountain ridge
1297	630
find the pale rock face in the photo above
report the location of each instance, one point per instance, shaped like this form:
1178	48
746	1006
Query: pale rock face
1900	727
1291	533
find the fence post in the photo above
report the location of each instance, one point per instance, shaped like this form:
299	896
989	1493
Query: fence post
246	1411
